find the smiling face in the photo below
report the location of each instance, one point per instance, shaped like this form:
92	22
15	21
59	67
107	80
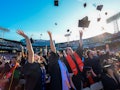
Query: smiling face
36	57
90	54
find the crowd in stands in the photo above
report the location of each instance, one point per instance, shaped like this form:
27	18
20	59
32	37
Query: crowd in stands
9	45
81	69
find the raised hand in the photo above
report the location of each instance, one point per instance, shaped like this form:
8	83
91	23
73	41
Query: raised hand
52	45
64	53
20	32
107	46
81	33
49	33
29	46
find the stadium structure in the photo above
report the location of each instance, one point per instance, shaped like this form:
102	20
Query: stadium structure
98	41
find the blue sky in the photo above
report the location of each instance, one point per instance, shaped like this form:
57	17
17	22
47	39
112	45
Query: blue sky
35	17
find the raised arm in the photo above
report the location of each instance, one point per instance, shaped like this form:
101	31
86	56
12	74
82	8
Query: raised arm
81	34
52	45
22	51
107	48
64	53
29	46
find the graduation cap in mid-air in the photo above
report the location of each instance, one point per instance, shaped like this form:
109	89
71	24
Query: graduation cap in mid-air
85	4
84	22
98	19
55	23
99	7
68	30
56	3
106	13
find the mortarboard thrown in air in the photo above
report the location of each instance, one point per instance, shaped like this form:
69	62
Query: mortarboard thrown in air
68	30
55	23
99	7
106	13
85	4
98	19
84	22
56	3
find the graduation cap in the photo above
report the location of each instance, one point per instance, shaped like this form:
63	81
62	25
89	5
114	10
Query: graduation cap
106	66
68	30
114	59
106	13
85	4
56	2
55	23
87	68
31	40
98	19
41	34
99	7
84	22
0	62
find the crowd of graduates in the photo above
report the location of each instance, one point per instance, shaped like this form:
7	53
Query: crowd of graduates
60	70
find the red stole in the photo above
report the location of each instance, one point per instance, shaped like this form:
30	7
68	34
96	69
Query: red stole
73	65
91	81
8	75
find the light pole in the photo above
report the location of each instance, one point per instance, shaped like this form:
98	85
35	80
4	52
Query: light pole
68	36
40	36
3	30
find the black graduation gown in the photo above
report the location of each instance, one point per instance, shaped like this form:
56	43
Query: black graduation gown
33	76
54	71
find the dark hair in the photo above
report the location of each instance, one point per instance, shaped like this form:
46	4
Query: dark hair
87	68
88	52
61	51
15	57
0	62
105	69
98	51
